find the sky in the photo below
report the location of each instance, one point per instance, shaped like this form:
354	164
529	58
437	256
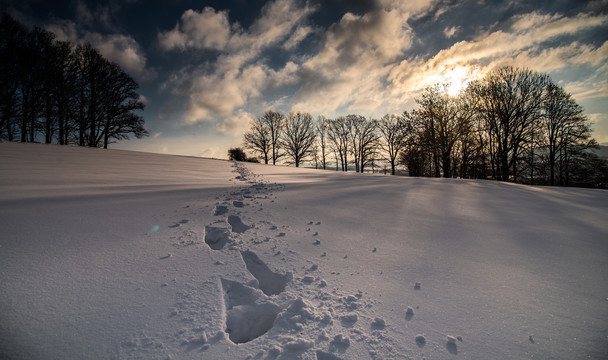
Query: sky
206	68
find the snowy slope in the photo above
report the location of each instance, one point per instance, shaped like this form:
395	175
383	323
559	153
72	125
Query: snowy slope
116	254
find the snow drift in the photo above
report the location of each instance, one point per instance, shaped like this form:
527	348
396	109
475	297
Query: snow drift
115	254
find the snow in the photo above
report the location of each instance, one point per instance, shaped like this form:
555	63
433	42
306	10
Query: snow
126	255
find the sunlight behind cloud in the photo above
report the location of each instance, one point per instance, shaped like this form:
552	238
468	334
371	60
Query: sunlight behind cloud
456	79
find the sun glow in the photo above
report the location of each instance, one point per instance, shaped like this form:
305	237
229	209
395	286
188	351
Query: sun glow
456	79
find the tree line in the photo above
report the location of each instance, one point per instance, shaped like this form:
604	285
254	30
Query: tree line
513	125
58	92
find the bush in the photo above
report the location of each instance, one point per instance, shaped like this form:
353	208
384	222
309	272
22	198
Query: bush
237	154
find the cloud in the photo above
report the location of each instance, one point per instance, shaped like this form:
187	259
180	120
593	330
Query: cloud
64	30
354	59
276	22
591	87
218	95
235	125
238	76
121	49
300	34
144	100
600	126
531	41
451	31
207	29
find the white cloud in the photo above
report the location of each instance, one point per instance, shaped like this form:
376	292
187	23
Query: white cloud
355	57
300	34
121	49
207	29
277	21
238	76
218	95
235	125
449	32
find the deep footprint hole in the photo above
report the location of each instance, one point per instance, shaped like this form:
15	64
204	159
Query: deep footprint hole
270	283
216	237
246	319
247	322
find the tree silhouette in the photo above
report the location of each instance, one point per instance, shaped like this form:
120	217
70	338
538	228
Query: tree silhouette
63	93
510	101
394	133
237	154
258	139
298	136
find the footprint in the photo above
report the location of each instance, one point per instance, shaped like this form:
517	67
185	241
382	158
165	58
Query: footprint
220	210
420	341
339	343
270	283
178	224
349	320
409	313
378	324
216	237
452	347
237	225
247	316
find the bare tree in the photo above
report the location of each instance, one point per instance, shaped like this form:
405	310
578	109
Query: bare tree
441	120
561	112
394	132
119	102
298	137
575	139
64	93
321	127
29	57
338	132
363	138
258	139
274	122
510	100
11	43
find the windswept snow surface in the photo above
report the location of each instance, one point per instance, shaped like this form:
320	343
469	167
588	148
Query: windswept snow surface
115	254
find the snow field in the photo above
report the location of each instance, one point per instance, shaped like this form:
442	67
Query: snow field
141	256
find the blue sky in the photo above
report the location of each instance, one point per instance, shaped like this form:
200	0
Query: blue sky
207	67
